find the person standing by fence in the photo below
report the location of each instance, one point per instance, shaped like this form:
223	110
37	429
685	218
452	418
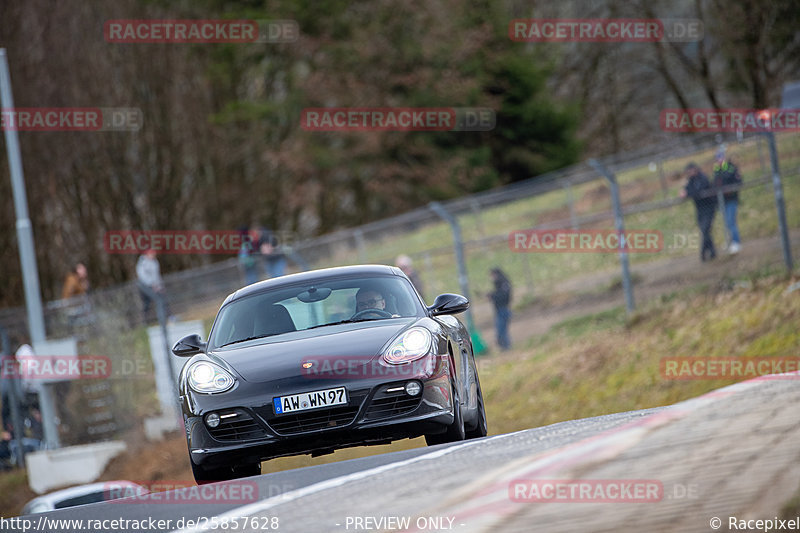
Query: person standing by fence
150	284
76	282
78	310
501	298
699	189
272	253
726	175
248	254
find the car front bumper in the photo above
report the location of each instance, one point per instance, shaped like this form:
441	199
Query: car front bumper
376	413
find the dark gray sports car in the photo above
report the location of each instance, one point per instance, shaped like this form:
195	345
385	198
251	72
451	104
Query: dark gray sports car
327	359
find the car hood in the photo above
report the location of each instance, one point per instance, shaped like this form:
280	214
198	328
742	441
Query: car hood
280	357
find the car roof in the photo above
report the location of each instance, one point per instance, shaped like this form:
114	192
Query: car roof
313	275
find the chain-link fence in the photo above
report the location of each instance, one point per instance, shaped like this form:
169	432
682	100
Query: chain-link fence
109	322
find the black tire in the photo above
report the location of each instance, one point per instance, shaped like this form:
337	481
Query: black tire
455	431
481	428
204	475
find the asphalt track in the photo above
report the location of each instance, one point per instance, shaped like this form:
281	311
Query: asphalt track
726	457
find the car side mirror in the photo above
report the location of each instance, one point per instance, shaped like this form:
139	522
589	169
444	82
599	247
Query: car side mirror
189	345
448	304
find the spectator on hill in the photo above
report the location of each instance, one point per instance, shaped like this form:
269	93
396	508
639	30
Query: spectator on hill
76	283
248	254
699	188
5	451
150	284
272	254
9	448
404	263
726	175
501	298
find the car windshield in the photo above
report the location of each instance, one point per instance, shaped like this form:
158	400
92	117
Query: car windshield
314	305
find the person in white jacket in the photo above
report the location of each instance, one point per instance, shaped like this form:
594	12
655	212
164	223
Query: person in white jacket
150	284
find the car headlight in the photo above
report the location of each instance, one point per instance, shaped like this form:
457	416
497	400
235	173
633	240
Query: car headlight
209	378
411	345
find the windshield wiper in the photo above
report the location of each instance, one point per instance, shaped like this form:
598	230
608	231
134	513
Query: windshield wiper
345	321
247	339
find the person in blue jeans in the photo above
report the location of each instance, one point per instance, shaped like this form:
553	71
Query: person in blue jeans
248	254
726	175
699	188
272	252
501	298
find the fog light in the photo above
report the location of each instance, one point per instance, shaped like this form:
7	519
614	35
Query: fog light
212	420
413	388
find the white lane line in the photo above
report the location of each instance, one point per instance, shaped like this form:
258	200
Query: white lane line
269	503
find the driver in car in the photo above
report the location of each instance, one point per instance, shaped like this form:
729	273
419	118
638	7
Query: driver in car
371	300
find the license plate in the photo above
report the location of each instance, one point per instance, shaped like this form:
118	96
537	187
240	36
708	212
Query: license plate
309	400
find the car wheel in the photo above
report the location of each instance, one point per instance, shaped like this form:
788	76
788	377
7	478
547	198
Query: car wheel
481	428
203	475
455	431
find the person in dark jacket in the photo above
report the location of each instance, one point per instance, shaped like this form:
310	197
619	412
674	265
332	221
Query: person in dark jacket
272	253
699	188
248	254
501	298
726	175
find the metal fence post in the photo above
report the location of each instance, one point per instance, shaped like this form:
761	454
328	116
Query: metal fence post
161	313
759	140
780	204
526	265
358	236
663	179
476	212
620	225
27	253
573	215
433	287
458	246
